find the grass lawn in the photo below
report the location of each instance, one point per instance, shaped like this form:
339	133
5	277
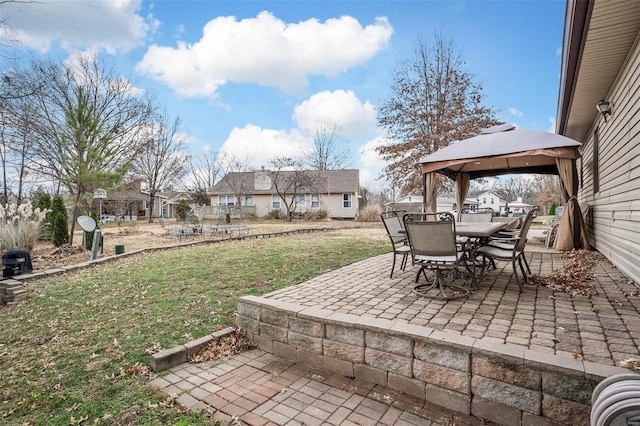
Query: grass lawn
76	352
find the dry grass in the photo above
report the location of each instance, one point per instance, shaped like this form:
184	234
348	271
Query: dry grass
77	351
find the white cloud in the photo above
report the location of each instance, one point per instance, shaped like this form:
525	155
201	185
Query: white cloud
340	107
369	157
109	25
261	146
516	112
266	51
552	124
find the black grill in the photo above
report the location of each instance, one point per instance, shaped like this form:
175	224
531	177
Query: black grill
16	261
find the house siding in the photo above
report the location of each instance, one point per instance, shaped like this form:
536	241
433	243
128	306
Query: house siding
613	212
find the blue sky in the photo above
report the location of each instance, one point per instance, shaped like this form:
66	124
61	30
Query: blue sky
252	78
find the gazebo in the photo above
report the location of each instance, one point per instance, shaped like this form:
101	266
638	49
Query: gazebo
502	150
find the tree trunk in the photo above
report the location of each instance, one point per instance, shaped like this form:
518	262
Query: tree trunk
74	213
152	196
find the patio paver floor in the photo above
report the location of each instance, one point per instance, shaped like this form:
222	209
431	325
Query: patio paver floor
260	388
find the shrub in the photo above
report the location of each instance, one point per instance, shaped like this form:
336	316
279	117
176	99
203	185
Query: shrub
59	222
316	214
20	225
371	213
273	214
43	201
552	209
182	209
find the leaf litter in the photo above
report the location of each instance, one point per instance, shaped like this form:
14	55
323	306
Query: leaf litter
230	344
575	278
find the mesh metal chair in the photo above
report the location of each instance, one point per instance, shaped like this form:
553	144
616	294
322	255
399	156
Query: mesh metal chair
484	214
432	238
511	250
395	231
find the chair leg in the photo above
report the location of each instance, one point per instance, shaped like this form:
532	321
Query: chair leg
403	264
524	275
526	263
440	285
515	273
393	265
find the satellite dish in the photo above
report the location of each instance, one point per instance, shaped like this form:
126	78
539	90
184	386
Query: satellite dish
87	223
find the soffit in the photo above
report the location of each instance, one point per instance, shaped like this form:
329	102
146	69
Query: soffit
611	32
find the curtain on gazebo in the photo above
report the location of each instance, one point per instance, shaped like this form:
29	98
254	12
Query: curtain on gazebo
572	232
429	191
462	189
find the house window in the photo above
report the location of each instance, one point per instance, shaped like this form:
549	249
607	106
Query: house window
248	200
491	200
275	201
226	200
299	200
315	201
595	163
484	200
346	201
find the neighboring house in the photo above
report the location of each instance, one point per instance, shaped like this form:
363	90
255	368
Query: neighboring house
168	200
335	191
449	203
489	199
410	203
600	62
130	203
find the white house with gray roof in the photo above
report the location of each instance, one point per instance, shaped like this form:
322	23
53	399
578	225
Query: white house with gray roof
335	191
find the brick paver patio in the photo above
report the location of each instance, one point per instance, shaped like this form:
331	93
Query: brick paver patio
260	388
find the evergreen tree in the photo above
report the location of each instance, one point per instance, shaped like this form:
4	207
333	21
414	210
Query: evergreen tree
43	201
182	209
60	222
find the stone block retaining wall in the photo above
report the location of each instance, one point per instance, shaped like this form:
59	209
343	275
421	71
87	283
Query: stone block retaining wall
11	291
504	383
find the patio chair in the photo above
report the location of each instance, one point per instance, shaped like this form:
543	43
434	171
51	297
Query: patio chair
511	249
484	214
396	233
432	239
175	233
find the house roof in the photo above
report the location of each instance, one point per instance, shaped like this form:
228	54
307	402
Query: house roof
598	37
258	182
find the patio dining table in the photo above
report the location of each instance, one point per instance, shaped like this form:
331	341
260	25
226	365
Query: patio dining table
478	233
479	229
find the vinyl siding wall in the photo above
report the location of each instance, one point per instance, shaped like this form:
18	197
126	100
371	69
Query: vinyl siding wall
614	211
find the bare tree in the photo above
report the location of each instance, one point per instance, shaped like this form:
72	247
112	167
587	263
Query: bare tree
236	176
204	171
163	162
546	190
86	122
434	103
329	151
291	182
533	189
